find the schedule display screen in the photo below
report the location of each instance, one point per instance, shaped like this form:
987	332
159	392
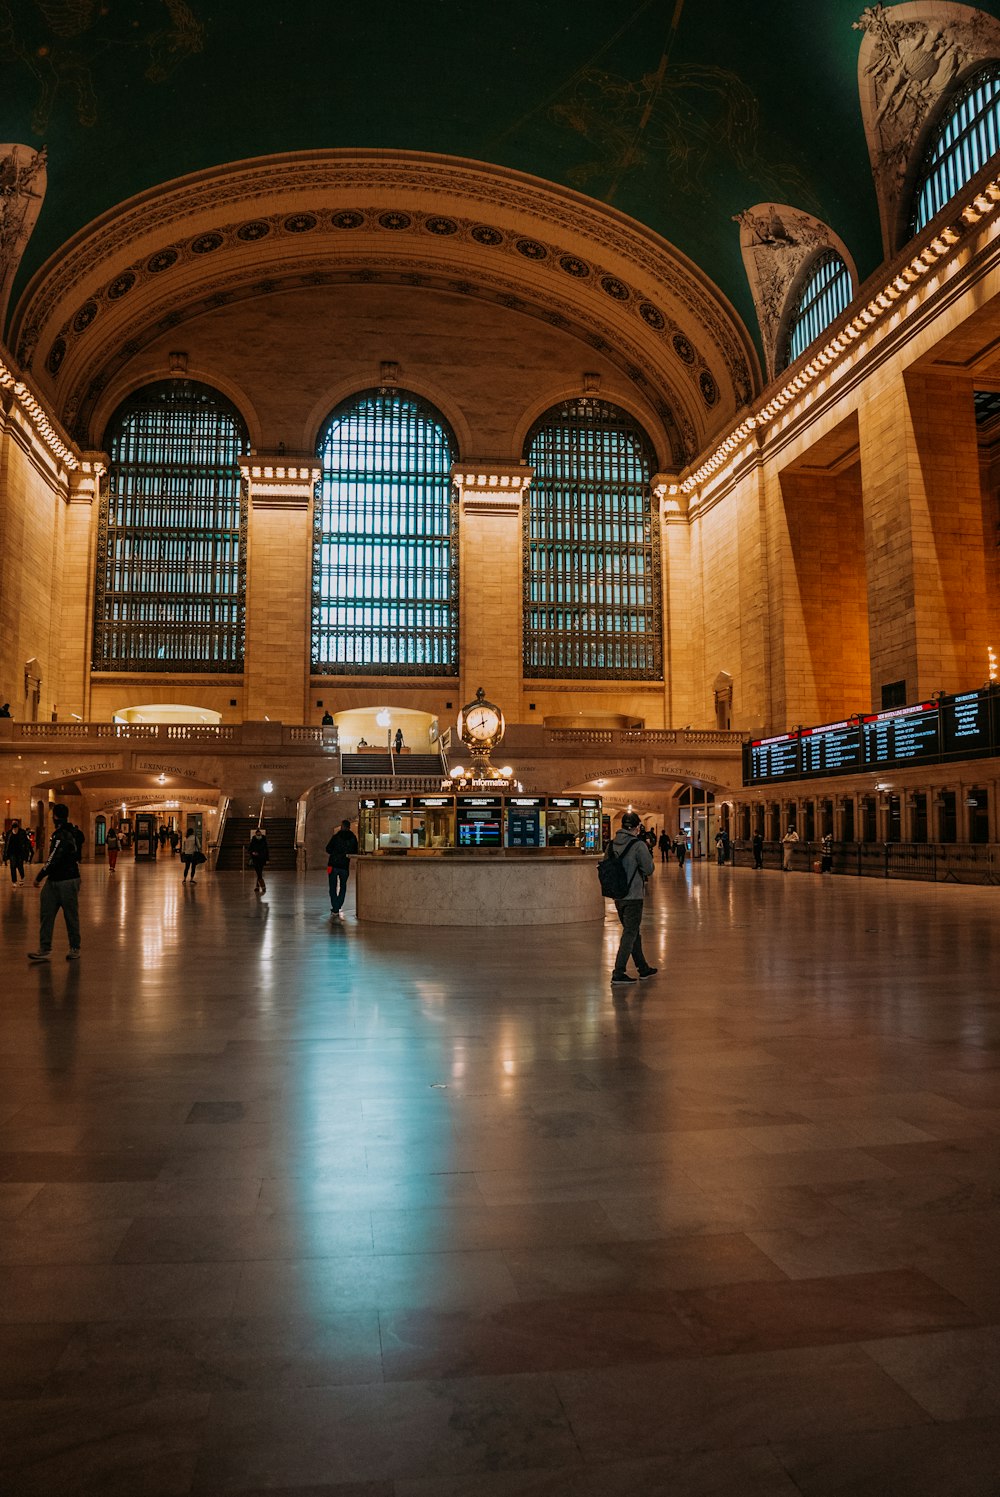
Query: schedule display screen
479	821
775	758
965	723
524	822
902	736
834	748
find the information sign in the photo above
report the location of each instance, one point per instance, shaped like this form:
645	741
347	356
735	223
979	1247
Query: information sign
965	723
834	748
775	758
902	736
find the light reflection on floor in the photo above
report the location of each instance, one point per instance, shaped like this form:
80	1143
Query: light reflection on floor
298	1204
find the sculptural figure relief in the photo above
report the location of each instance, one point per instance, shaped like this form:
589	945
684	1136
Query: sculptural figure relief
22	188
777	242
911	57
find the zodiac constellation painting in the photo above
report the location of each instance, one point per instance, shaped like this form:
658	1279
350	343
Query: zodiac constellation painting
680	119
59	42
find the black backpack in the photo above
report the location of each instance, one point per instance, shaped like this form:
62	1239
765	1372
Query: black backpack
614	879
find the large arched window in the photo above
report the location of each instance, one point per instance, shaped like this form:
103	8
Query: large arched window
385	558
825	294
966	138
171	570
592	575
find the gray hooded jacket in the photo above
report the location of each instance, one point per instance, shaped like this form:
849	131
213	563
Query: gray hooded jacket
635	854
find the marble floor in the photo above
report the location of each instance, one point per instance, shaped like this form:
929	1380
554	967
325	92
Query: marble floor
302	1207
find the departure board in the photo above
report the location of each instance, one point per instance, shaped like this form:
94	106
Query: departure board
965	724
834	748
524	821
901	736
775	758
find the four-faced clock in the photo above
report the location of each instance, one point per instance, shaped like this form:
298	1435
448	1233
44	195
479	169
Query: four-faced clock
481	725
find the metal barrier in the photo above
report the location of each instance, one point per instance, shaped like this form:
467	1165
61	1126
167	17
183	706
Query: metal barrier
930	862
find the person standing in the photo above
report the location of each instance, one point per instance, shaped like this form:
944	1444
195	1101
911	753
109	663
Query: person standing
637	861
720	847
757	848
190	852
397	742
826	854
60	874
111	844
339	850
788	842
259	854
16	852
664	843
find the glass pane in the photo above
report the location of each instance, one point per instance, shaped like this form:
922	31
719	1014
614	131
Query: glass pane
964	142
825	295
385	562
171	575
591	581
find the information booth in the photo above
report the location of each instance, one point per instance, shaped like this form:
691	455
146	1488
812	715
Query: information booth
439	825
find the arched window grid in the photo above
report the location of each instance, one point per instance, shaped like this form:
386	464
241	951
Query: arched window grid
825	295
171	564
962	145
385	551
591	560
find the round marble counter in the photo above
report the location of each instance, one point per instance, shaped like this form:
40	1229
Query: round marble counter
496	890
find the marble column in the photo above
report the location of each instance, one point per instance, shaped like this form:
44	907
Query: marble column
80	526
491	495
679	623
279	562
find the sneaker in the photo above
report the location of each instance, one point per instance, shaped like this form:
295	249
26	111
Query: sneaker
649	971
617	977
39	956
73	954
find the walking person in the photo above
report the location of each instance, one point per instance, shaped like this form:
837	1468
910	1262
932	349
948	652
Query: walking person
112	847
720	847
259	854
665	845
680	850
339	850
16	852
757	848
637	861
788	842
397	742
60	875
190	854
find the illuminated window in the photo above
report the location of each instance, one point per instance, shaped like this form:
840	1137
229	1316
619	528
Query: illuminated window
591	576
825	295
171	573
966	138
385	558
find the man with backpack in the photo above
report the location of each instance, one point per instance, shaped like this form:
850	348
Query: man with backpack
634	861
61	875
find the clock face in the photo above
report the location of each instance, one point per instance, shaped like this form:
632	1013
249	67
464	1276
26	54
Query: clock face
481	722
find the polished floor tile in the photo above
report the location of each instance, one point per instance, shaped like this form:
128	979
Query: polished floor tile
320	1213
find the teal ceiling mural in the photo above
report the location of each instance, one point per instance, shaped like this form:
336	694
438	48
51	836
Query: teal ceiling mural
679	112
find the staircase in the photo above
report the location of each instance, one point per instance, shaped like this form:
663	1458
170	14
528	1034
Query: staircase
408	766
280	842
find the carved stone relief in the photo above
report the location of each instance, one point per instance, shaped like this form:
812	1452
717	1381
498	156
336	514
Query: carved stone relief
911	56
22	188
777	242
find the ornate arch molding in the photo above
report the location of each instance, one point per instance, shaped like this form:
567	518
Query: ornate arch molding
913	58
779	246
326	217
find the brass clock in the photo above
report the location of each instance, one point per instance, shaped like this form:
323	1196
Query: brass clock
481	726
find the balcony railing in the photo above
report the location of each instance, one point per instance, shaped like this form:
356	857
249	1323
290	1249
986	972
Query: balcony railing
649	737
257	734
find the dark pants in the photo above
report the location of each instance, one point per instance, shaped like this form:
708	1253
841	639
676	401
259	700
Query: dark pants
338	886
62	894
758	857
630	915
16	869
190	866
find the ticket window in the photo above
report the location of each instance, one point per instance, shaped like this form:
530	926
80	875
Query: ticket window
894	823
590	826
432	826
978	806
847	833
367	826
395	828
869	819
562	827
947	816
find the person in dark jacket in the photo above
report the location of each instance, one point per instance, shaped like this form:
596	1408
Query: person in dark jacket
339	851
664	843
757	848
637	860
259	854
16	851
60	874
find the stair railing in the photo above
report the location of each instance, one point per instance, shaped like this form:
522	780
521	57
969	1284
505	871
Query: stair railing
220	832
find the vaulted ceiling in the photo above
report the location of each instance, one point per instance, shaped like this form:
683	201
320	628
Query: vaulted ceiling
678	113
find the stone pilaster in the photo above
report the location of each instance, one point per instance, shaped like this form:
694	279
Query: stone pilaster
279	560
80	524
491	495
680	625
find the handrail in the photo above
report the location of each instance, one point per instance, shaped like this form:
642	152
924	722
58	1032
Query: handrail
220	830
